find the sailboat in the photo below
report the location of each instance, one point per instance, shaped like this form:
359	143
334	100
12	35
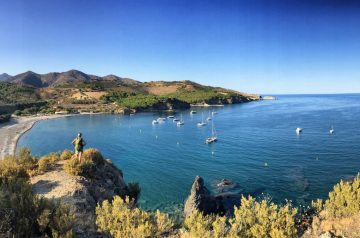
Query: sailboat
208	118
332	130
181	122
213	137
202	123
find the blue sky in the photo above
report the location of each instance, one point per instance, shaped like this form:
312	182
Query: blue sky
252	46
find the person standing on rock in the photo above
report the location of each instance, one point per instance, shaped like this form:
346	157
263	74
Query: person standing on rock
79	144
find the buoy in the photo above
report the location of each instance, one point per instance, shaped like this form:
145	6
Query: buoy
266	164
213	153
156	137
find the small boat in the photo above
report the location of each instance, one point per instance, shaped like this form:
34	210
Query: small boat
209	118
176	120
202	123
332	131
192	112
161	119
214	113
213	137
298	130
171	117
155	122
181	122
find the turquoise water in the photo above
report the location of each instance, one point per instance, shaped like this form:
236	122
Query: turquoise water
165	158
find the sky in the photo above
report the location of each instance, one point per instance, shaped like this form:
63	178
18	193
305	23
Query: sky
267	47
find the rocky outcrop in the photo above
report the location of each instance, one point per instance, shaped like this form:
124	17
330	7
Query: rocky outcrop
80	193
201	199
222	202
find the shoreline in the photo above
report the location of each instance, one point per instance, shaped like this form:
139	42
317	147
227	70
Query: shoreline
13	130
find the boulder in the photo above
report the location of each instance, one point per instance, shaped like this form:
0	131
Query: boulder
201	199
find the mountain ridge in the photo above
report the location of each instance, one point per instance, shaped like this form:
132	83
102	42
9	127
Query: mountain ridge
52	79
5	77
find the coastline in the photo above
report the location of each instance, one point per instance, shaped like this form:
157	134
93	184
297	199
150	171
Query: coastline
12	131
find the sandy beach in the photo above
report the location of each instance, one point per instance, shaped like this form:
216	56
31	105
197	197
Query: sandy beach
10	132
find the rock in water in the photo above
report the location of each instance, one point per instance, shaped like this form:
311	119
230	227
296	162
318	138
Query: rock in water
201	199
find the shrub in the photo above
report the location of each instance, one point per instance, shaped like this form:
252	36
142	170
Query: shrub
344	199
57	218
90	159
262	219
121	219
47	162
199	225
66	155
25	213
93	155
19	205
253	219
10	168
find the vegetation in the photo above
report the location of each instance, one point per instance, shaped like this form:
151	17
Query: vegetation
344	199
121	218
5	118
140	101
24	214
14	93
114	96
200	96
48	162
90	159
253	219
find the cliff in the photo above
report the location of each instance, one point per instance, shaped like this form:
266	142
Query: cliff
81	193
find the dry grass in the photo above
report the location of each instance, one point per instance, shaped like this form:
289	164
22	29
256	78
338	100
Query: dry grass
88	95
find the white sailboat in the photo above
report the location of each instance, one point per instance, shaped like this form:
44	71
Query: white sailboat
209	118
192	112
155	122
181	122
213	137
202	123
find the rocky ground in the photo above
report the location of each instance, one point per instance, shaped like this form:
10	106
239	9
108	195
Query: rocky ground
80	193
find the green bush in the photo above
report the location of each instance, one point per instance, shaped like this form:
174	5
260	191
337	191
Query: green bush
121	219
344	199
253	219
199	225
263	219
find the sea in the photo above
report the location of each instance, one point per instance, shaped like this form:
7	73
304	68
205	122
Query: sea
258	149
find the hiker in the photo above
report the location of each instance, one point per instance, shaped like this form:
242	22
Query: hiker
79	144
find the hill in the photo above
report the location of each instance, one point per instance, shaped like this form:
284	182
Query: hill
76	91
4	77
30	78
